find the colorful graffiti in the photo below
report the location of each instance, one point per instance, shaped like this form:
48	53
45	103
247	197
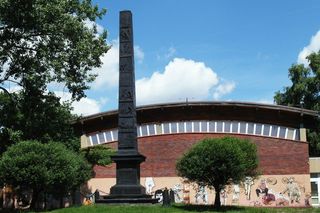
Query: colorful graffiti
289	195
293	190
264	191
149	183
201	195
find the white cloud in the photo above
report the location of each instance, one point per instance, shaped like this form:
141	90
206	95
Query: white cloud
171	52
265	101
180	79
223	89
14	89
108	73
91	24
314	46
139	54
86	106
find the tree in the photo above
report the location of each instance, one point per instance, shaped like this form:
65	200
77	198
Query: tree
48	120
218	162
50	41
305	93
45	42
42	118
98	155
43	168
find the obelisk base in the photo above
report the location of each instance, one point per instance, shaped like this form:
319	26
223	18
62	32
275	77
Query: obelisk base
128	188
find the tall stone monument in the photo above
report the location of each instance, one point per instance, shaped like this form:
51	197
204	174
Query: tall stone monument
127	159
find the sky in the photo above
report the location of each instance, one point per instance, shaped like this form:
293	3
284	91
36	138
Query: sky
205	50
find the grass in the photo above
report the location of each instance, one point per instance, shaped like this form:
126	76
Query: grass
176	208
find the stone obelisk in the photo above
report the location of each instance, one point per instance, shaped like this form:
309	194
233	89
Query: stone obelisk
127	159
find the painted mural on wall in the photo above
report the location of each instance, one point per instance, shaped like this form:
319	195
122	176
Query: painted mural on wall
248	182
177	192
201	195
286	192
264	191
149	184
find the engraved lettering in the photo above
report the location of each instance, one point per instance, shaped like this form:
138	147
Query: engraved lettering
125	34
125	49
126	94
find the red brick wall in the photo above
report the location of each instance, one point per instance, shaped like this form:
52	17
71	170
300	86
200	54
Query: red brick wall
276	156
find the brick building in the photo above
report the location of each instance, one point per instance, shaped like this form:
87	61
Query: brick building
166	131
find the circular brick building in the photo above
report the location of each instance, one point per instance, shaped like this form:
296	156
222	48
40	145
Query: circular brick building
166	131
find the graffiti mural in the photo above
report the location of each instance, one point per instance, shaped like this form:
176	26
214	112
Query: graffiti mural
223	197
248	182
177	189
149	183
201	195
286	192
158	195
293	190
236	194
262	188
273	190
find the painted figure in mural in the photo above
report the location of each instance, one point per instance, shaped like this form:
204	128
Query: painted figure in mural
281	200
262	188
307	200
149	183
201	194
267	199
272	181
177	189
236	193
186	191
223	197
248	182
293	190
158	195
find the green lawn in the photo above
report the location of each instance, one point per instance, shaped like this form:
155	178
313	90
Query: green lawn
176	208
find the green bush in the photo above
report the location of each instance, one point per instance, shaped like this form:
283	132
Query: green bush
217	162
49	168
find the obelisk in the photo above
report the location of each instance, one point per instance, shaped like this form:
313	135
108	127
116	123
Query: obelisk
127	159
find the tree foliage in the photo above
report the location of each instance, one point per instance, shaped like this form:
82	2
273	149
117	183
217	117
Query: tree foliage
49	41
98	155
43	43
305	93
41	118
49	168
216	163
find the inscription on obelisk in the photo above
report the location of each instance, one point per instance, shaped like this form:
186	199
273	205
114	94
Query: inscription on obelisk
127	158
127	135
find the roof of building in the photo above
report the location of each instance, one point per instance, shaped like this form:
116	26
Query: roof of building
241	111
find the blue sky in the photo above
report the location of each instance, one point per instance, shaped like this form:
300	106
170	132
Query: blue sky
206	49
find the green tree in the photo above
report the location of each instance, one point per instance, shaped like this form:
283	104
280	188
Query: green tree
49	41
305	93
98	155
41	118
45	42
48	120
218	162
43	168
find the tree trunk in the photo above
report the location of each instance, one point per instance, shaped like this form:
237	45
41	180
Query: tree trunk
217	202
45	200
34	201
61	201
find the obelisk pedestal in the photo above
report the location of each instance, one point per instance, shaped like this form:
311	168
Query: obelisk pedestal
128	188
